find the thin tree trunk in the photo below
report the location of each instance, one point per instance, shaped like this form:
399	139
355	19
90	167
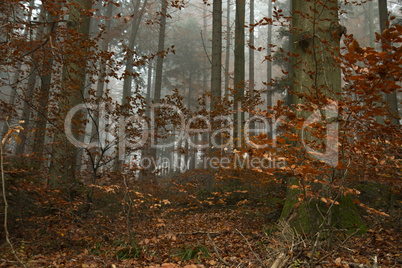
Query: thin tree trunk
102	75
216	77
289	97
227	60
251	62
63	163
391	98
129	76
159	72
239	72
251	52
26	110
45	78
269	67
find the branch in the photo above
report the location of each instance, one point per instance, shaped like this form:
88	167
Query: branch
216	251
258	258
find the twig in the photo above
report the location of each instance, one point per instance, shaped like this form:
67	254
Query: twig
216	250
258	258
200	232
325	256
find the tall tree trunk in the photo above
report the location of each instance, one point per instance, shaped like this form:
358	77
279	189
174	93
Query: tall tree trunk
391	98
251	53
216	77
159	73
159	59
18	69
228	48
27	98
149	87
26	110
317	70
191	152
205	135
289	97
370	18
95	129
64	154
129	74
239	72
44	94
251	62
146	152
269	67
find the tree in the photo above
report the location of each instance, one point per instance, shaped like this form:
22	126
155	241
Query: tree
128	72
251	53
45	88
102	73
391	98
73	87
228	48
269	65
216	77
239	71
159	72
317	80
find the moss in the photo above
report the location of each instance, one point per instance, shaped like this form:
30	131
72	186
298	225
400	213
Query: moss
307	219
346	216
291	200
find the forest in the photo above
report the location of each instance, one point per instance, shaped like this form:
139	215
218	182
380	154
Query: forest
201	133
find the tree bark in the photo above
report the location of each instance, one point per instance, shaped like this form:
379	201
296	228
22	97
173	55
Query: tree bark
391	98
316	71
129	74
100	86
269	66
216	77
239	72
64	154
158	75
228	48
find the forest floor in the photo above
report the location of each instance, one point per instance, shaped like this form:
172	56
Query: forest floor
242	239
220	235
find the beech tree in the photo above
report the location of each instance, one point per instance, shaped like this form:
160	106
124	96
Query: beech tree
228	47
316	76
239	71
73	88
139	11
391	98
216	74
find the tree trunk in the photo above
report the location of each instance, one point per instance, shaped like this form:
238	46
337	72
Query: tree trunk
129	75
64	154
251	61
391	98
318	71
159	73
289	97
239	72
95	129
26	110
269	67
45	78
27	98
227	60
216	77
